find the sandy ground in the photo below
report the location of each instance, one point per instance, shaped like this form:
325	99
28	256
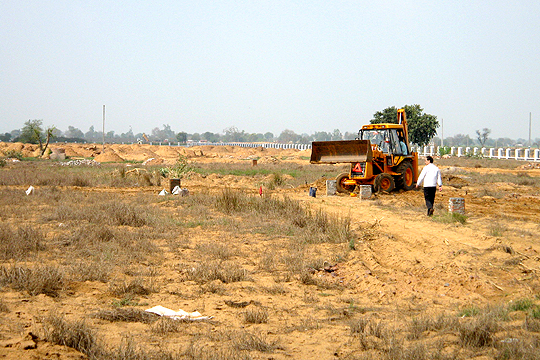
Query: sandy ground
403	260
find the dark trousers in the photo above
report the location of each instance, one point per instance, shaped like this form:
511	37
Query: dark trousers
429	195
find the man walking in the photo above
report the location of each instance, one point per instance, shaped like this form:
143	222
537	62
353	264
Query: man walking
431	177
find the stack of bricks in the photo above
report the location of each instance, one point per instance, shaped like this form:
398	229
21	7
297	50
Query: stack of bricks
456	205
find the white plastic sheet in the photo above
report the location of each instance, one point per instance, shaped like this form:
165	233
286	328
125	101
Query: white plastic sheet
178	315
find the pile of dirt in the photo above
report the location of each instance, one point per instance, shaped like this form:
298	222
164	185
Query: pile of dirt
108	156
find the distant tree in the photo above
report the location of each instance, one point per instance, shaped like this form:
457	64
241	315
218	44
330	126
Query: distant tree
195	137
350	135
322	136
305	139
268	136
422	127
73	132
6	137
210	136
232	134
91	134
287	136
483	136
15	134
181	137
337	135
33	133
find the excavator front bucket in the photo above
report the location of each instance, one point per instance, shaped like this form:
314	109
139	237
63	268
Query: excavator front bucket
342	151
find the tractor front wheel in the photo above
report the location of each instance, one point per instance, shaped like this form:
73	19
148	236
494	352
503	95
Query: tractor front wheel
341	187
406	179
384	182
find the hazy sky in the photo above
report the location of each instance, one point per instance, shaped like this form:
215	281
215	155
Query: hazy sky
269	65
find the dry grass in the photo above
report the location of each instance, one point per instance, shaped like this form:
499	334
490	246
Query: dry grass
211	270
255	315
199	251
74	334
20	243
126	315
42	279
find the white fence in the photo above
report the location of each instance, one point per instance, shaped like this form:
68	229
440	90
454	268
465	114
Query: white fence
490	153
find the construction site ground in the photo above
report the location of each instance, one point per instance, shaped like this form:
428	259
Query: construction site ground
402	264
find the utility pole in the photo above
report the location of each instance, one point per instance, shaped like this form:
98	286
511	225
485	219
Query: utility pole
530	116
442	133
103	128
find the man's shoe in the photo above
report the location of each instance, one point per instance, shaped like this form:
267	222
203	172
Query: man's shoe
430	212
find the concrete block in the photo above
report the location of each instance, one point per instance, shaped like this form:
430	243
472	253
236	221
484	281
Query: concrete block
331	187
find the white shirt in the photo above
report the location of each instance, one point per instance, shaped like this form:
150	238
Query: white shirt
430	175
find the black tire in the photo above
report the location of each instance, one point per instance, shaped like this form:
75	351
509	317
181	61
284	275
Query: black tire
384	183
405	181
342	188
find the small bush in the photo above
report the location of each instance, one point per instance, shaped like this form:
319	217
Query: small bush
478	332
230	201
521	305
134	287
43	279
249	342
255	315
13	154
3	307
224	271
74	334
17	244
126	315
164	326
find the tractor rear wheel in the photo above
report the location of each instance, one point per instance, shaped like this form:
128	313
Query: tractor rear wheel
384	182
406	179
343	188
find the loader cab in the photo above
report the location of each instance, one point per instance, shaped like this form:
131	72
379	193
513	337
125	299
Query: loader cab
389	139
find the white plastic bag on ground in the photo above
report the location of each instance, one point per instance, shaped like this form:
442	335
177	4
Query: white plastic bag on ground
30	190
177	315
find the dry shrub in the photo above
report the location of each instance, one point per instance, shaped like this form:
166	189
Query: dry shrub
134	287
200	350
512	348
18	244
244	340
358	326
424	323
478	332
229	201
255	315
275	289
75	334
225	271
90	271
165	325
3	307
216	250
42	279
126	315
531	324
109	212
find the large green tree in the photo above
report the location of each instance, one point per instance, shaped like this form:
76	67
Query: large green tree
33	133
422	126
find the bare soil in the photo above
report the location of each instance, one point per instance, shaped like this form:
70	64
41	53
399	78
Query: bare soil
404	265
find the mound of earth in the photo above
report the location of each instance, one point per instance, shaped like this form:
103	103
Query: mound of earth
108	157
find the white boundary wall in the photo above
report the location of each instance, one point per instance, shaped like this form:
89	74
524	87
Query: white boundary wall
527	154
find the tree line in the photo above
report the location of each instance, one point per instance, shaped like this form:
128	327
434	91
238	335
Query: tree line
422	130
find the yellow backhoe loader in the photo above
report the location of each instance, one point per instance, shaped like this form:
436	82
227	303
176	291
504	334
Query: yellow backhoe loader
381	157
